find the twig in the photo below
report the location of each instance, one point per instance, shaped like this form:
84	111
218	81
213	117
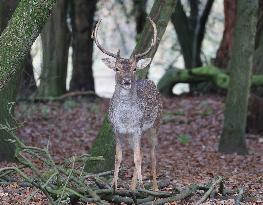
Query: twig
99	174
156	193
65	185
209	191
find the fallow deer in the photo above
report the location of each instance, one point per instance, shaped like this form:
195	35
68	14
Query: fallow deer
135	107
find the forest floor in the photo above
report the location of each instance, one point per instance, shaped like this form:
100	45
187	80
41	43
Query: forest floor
187	147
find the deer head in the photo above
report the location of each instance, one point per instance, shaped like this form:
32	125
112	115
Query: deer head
126	68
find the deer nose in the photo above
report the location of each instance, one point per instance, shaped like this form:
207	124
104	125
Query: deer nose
126	81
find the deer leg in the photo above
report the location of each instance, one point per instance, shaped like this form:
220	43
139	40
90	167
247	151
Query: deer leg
138	160
153	140
134	179
118	159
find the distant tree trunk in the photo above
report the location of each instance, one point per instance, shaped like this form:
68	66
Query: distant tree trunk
82	17
28	84
191	30
255	113
190	33
160	13
140	14
223	53
55	40
258	59
15	43
233	136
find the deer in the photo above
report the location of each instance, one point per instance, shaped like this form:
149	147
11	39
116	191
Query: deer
135	108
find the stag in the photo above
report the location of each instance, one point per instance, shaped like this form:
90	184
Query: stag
135	108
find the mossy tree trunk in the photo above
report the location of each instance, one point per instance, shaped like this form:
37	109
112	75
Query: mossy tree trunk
160	13
15	43
216	76
55	42
18	37
28	83
233	137
82	17
8	94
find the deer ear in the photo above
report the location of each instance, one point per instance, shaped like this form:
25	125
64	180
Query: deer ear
143	63
109	62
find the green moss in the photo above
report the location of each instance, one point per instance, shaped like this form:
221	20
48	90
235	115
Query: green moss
240	66
18	37
104	146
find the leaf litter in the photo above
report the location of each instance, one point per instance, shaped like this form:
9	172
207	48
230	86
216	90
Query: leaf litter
187	148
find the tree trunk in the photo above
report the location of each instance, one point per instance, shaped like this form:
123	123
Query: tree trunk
15	43
255	114
28	84
233	136
21	32
190	33
8	94
184	34
223	53
82	17
160	14
140	15
55	40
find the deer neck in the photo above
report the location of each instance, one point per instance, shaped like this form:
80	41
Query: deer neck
126	94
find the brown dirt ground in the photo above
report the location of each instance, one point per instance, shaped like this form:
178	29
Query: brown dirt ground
187	148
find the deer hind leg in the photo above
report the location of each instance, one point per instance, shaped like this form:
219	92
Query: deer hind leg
153	140
134	179
138	160
118	159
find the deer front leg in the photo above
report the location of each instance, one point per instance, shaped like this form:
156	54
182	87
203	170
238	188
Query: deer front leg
138	160
118	159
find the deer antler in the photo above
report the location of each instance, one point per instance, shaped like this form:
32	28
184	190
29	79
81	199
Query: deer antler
141	55
94	36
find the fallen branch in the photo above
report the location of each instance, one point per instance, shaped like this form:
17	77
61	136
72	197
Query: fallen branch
58	182
210	190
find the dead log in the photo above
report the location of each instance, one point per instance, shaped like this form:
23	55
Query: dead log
198	75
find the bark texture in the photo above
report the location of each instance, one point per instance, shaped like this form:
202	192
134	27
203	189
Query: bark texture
8	94
233	136
160	13
15	43
223	53
82	15
140	15
55	42
18	37
27	84
191	30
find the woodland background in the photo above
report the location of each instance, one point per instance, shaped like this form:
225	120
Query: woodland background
54	93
